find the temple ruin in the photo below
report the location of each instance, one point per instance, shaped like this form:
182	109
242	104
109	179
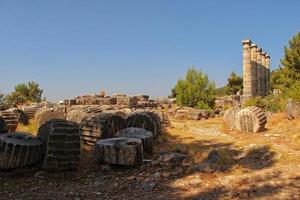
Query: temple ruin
256	71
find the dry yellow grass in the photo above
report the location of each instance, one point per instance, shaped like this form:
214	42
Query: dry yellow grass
31	128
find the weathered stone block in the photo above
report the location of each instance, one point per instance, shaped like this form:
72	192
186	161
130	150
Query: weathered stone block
250	120
119	151
19	149
62	141
138	133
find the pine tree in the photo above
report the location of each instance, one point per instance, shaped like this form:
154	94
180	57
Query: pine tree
196	90
288	74
234	85
291	58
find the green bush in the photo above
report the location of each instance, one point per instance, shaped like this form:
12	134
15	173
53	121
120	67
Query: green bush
24	93
293	92
196	90
272	103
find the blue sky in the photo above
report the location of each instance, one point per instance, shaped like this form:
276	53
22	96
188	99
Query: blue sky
77	47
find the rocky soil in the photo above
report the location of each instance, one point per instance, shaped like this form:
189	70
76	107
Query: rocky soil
191	160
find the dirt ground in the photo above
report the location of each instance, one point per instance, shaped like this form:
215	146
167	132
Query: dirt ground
252	166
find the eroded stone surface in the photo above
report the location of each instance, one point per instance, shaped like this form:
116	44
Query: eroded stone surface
100	126
62	145
19	149
138	133
119	151
250	120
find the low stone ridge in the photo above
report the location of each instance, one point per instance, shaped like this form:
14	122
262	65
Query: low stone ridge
100	126
143	120
11	119
229	117
138	133
45	115
250	120
119	151
62	145
3	126
19	149
293	109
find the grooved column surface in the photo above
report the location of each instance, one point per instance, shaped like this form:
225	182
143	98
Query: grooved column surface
254	70
259	72
247	78
264	73
268	74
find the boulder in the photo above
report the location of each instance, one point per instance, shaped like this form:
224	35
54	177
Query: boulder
293	109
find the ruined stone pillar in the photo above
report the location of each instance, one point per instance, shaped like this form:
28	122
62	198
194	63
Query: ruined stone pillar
268	74
254	70
247	73
263	63
259	72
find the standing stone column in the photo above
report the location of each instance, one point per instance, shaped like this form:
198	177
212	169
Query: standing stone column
259	71
247	73
263	62
254	70
268	74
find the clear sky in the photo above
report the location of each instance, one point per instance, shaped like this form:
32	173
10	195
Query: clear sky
77	47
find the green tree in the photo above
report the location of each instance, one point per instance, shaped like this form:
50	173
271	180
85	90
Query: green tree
288	73
234	85
25	93
291	58
196	90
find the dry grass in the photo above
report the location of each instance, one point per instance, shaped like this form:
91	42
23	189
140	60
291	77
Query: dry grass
32	127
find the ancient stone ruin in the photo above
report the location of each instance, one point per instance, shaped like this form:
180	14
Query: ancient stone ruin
62	145
256	71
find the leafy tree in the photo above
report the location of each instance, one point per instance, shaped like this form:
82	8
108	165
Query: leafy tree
291	58
220	92
25	93
289	73
234	85
196	90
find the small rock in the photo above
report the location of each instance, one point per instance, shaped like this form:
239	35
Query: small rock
213	157
98	194
156	176
148	186
38	174
172	158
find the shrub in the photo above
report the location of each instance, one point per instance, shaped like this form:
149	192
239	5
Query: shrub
272	103
196	90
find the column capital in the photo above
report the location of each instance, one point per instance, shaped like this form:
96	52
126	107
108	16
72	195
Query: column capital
263	53
267	56
259	49
246	41
253	45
